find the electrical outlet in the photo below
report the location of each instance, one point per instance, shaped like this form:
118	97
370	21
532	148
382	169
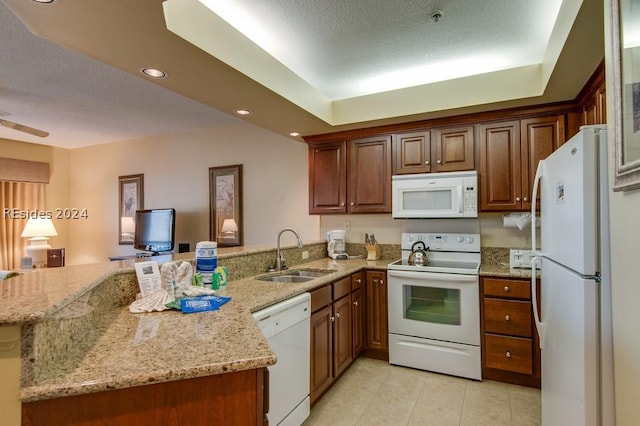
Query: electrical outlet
521	259
305	255
347	225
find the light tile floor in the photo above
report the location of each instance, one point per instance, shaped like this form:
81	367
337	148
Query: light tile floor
373	392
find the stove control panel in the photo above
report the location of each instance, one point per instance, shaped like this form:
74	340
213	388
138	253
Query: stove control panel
443	242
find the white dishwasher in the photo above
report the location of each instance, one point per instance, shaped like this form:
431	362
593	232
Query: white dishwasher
286	326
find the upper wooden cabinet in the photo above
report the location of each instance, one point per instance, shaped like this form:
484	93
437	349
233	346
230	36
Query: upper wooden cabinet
454	149
595	107
539	138
500	172
439	150
328	178
350	177
509	156
412	153
369	175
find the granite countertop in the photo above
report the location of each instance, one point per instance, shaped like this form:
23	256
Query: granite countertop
138	349
495	263
129	350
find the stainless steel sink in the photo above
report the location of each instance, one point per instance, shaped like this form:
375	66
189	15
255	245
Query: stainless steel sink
295	275
310	272
285	278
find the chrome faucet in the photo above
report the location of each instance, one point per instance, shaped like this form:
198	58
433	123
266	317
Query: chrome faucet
279	258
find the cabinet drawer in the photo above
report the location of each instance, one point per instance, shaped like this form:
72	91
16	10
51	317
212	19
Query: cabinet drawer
341	288
356	280
320	298
511	317
509	353
507	288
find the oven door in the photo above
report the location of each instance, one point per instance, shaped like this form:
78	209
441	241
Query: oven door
436	306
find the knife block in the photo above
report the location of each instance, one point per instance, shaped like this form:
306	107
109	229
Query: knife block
373	251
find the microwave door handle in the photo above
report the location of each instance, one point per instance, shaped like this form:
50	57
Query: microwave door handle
460	199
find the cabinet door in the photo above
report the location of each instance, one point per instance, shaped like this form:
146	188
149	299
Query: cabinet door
500	170
321	352
342	337
539	138
454	149
411	153
328	178
357	316
369	189
376	307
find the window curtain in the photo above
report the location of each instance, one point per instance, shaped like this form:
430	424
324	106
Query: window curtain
17	199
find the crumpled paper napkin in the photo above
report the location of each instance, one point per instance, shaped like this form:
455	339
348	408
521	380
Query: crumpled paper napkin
176	281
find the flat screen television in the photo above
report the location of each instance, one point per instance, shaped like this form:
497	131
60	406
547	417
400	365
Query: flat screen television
155	230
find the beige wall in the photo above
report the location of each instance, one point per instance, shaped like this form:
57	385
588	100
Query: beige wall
57	192
176	174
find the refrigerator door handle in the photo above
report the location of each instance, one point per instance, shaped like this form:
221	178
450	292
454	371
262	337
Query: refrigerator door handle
534	198
540	326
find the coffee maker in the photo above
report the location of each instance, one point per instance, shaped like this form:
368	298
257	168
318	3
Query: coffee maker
336	244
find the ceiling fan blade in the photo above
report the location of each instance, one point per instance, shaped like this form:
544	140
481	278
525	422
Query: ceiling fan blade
23	128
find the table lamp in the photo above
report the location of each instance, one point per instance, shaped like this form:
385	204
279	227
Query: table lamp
38	230
229	228
127	228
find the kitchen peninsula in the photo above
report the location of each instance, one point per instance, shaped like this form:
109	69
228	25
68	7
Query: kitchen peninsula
68	337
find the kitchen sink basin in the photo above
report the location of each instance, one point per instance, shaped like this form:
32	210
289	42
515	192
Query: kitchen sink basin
285	278
295	275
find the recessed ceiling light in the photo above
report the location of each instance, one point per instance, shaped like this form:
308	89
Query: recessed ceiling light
152	72
242	112
44	1
294	134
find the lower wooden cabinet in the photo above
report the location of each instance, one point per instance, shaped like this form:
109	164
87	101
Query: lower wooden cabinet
235	398
357	312
331	335
510	346
377	342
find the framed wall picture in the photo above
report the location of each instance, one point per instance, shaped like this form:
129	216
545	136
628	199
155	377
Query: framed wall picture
225	202
624	18
131	198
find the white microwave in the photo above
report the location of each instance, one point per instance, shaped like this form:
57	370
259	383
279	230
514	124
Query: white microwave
435	195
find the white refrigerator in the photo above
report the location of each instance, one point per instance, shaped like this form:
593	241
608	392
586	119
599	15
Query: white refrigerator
574	324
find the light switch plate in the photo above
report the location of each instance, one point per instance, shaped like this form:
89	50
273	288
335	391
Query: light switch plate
519	258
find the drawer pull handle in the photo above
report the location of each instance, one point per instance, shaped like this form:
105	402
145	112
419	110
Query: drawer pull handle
338	315
507	318
333	319
381	282
506	289
358	280
355	303
508	354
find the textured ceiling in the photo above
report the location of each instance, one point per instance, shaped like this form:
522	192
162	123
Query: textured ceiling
79	76
343	49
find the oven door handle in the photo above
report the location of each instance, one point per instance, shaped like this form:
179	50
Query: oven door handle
433	275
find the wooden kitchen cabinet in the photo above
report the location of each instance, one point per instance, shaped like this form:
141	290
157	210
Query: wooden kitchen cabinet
369	175
350	176
412	153
509	154
234	398
328	178
357	313
510	347
331	334
452	149
377	342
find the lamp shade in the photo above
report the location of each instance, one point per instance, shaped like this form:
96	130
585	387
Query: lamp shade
39	228
127	225
229	226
